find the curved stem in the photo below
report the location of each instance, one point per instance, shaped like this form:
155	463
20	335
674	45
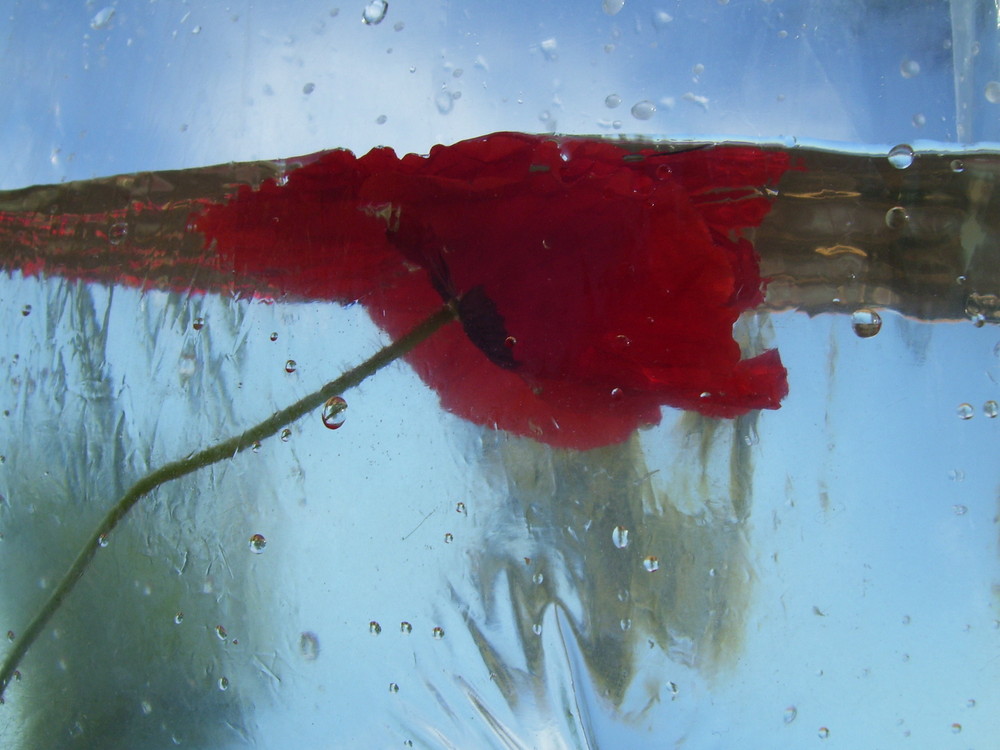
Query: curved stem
206	457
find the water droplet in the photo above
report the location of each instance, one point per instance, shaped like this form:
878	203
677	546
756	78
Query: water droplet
309	646
901	156
866	323
198	323
460	508
651	563
643	110
102	18
102	540
965	411
823	733
957	166
448	538
285	435
619	535
790	713
257	543
178	618
374	12
909	68
334	413
991	409
374	628
273	336
895	217
308	88
956	728
393	687
117	232
437	633
992	92
223	683
26	310
612	100
959	510
538	578
290	366
405	628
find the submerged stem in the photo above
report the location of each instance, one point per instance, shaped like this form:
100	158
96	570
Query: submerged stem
206	457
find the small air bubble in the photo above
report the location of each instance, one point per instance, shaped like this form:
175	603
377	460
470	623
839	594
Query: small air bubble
611	7
965	411
909	68
625	624
255	446
538	579
223	683
334	413
257	543
971	703
992	92
449	538
901	156
374	628
823	733
437	633
198	323
643	110
10	636
510	342
617	394
956	728
102	19
146	707
309	646
443	102
286	435
178	618
957	166
117	233
374	12
919	120
308	88
102	540
26	310
866	323
619	536
536	628
651	563
790	713
381	120
273	336
959	510
393	687
460	508
896	217
290	366
405	628
991	409
612	100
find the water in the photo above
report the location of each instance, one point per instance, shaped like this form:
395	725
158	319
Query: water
770	578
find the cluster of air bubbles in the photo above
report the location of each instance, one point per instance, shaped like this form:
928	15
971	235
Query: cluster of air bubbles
374	12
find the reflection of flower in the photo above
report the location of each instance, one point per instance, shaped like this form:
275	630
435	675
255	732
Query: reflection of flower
597	282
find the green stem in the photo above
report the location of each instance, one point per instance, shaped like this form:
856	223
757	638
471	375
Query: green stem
208	456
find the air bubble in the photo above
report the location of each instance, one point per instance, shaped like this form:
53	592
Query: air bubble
901	156
619	536
617	394
26	310
896	217
957	166
643	110
286	435
866	323
992	92
611	7
909	68
308	88
612	100
437	633
309	646
444	102
991	409
449	538
460	508
510	342
223	683
198	323
790	713
102	540
178	618
102	18
393	687
257	543
117	233
538	579
273	336
651	563
290	366
965	411
405	628
823	733
625	624
374	12
959	510
220	631
956	728
374	628
10	636
334	413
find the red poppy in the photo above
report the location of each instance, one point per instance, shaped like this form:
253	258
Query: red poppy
597	282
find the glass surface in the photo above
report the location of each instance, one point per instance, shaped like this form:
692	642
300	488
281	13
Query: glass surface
823	574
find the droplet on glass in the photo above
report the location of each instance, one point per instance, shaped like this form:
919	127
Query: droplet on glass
957	166
643	110
965	411
651	563
405	628
334	413
178	618
866	323
309	646
992	92
823	733
221	632
901	156
909	68
198	323
895	217
308	88
991	409
612	100
374	628
223	683
102	18
285	435
619	535
257	543
290	366
790	713
437	633
374	12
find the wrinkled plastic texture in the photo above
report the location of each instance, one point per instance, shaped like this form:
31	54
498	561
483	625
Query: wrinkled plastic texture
827	570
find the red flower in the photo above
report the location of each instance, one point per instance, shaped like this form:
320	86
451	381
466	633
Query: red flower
597	282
